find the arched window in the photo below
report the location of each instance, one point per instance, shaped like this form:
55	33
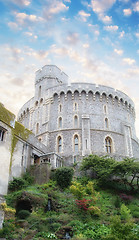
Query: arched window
37	128
108	145
59	142
76	144
106	123
60	122
75	121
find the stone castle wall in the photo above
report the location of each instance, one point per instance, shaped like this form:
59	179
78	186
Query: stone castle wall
89	111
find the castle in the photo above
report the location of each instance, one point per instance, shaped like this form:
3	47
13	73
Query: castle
62	123
77	119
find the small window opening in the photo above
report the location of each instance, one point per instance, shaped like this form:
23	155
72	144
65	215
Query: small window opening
86	143
60	108
106	123
37	128
105	109
39	94
60	122
75	121
75	159
75	106
59	144
2	132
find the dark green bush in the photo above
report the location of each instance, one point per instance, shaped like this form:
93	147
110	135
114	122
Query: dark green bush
28	178
17	184
64	176
23	214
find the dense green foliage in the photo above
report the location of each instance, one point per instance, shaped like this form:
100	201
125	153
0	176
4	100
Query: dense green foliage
23	214
20	182
63	176
109	171
85	209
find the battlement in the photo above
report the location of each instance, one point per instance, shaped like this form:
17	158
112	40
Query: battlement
51	72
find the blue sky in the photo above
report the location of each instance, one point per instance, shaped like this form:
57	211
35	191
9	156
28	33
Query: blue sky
93	41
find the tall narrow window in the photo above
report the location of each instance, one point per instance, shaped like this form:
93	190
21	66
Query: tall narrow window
106	123
75	121
39	93
2	132
105	109
37	128
60	122
108	145
60	108
75	107
76	144
59	144
86	143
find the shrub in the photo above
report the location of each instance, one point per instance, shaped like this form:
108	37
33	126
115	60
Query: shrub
121	231
125	197
23	214
134	210
17	184
77	190
125	212
64	176
117	202
83	204
28	178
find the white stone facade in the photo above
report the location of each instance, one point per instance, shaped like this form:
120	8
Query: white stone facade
76	119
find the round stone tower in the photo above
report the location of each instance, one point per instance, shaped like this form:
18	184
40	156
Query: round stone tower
78	119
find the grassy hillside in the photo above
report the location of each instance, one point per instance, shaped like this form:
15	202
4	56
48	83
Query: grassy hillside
84	210
100	206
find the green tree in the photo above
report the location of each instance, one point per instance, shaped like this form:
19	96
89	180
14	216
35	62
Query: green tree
63	176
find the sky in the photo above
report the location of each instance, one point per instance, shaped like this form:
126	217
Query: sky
95	41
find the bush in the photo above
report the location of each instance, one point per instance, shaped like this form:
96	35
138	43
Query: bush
64	176
17	184
23	214
121	230
28	178
125	213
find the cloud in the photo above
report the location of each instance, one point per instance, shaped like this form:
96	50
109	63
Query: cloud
17	81
13	26
136	7
54	7
101	6
122	34
85	45
19	2
30	34
111	28
22	18
14	54
106	19
72	38
119	52
129	61
83	15
137	35
127	12
40	54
